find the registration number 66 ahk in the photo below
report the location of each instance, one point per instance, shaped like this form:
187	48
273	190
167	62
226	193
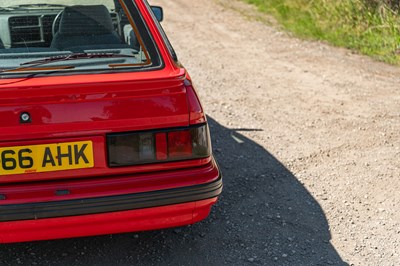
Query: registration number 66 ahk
46	157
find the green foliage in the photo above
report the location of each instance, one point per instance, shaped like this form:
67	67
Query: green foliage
369	26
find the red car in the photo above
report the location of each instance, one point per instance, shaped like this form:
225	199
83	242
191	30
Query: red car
101	129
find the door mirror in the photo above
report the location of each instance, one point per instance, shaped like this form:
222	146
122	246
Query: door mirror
158	13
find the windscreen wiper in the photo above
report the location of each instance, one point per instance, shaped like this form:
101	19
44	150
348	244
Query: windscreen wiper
7	9
75	56
37	5
30	65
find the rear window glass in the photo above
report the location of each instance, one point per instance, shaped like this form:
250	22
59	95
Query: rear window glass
68	36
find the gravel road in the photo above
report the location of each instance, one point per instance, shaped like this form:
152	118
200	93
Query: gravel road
308	139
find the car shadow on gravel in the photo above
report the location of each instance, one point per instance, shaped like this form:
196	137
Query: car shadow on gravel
265	216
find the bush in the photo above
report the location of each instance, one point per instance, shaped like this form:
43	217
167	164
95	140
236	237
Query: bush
374	4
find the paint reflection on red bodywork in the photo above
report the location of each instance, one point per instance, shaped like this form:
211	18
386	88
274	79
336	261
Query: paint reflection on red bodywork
88	107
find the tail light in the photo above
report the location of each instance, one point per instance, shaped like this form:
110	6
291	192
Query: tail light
196	113
159	146
166	145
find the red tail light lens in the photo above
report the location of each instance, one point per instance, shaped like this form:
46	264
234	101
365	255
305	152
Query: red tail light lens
179	144
162	146
158	146
196	110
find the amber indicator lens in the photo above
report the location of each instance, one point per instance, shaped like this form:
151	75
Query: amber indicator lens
158	146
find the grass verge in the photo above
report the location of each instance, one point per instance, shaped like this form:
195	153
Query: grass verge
368	26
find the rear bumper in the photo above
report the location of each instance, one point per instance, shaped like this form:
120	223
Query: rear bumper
106	223
44	210
128	212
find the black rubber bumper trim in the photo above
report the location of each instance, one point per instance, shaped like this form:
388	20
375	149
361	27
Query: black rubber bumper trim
42	210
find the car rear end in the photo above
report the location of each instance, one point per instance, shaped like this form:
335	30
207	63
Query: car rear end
101	144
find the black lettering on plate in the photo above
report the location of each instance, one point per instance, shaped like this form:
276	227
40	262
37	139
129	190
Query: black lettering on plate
60	155
25	161
80	154
48	158
8	163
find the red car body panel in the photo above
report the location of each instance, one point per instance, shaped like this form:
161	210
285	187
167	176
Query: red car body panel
100	104
107	223
109	185
98	109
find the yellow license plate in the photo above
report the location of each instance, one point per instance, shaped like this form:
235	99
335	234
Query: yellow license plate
46	157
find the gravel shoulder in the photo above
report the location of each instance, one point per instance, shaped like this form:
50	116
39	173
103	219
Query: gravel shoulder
308	139
331	117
